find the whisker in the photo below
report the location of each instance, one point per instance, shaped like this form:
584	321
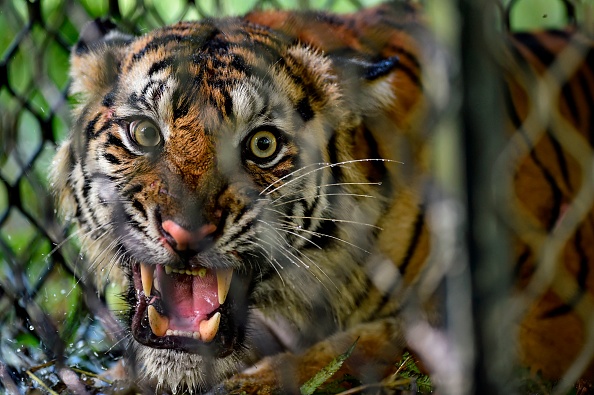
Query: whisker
335	184
303	264
270	258
332	237
293	233
318	195
79	232
346	221
127	336
278	244
303	254
89	270
323	165
292	173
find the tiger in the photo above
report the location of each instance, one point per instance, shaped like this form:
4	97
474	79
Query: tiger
258	184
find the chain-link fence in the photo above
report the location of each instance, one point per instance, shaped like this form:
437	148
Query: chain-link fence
57	332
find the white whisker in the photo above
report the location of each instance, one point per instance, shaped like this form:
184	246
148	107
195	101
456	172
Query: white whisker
321	194
332	237
323	165
270	258
293	233
346	221
302	254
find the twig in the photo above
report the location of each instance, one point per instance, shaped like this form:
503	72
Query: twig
41	383
42	366
383	384
93	375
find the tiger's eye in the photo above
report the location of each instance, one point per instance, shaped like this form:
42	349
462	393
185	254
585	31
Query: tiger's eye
145	133
263	144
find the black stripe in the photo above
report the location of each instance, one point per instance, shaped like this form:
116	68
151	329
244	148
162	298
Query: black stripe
589	97
160	65
139	207
133	190
556	191
304	109
228	104
326	228
363	295
158	42
379	166
521	261
414	240
581	278
238	62
181	102
561	160
112	159
85	195
134	101
333	157
108	100
531	42
90	127
151	84
113	141
569	97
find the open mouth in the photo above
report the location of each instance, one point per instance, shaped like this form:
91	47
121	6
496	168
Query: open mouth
197	309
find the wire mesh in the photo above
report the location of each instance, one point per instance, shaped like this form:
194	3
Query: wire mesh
54	323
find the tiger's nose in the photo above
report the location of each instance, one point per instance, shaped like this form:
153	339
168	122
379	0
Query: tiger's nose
185	239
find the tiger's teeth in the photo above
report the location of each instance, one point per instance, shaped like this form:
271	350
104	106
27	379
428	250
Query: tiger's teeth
146	275
209	329
224	277
168	270
159	324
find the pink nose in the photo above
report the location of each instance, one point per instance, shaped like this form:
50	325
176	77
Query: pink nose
185	239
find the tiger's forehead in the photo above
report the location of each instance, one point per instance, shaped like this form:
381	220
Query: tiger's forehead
200	70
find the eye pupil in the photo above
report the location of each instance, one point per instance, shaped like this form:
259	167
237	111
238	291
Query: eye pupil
263	143
149	132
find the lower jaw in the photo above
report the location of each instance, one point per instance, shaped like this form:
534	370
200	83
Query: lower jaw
183	372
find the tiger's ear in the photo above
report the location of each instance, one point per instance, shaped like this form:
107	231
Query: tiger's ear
369	83
95	59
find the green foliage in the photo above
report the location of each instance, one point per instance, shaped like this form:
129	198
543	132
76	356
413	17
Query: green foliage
323	375
409	370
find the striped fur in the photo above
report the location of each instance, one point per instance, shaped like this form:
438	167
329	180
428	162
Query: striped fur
325	235
554	194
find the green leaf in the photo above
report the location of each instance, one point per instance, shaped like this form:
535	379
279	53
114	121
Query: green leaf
323	375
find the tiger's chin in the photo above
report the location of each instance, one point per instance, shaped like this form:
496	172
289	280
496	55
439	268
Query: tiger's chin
179	371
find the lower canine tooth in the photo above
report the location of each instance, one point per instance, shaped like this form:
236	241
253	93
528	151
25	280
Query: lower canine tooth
159	324
209	329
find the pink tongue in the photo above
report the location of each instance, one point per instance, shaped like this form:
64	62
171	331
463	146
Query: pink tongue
187	299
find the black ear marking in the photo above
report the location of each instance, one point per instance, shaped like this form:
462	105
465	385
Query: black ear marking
92	34
372	71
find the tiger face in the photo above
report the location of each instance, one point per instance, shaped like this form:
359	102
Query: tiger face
225	169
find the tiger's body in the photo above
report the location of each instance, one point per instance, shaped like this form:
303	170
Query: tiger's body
258	182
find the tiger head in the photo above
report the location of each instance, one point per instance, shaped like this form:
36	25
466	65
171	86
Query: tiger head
220	167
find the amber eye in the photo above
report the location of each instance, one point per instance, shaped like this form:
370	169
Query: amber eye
263	144
145	133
